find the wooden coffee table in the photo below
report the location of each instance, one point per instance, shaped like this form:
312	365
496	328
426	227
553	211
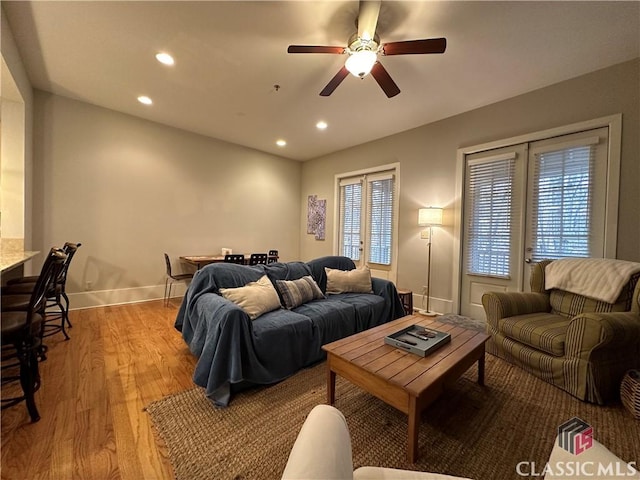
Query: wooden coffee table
404	380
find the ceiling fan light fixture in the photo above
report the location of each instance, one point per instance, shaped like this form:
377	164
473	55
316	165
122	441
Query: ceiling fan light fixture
165	58
145	100
361	62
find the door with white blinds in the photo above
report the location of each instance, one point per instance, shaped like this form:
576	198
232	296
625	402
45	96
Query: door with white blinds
567	188
368	221
350	236
493	212
530	202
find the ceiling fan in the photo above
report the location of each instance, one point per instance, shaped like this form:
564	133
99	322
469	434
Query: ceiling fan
364	48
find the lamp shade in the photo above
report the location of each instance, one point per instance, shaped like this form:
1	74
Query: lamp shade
429	216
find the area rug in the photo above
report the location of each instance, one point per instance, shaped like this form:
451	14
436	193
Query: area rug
471	431
462	321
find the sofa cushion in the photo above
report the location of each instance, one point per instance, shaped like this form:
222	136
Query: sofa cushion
348	281
296	292
542	331
284	338
215	276
369	308
255	298
286	271
332	320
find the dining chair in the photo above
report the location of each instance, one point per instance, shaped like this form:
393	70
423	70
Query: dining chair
258	258
21	336
272	256
171	279
234	258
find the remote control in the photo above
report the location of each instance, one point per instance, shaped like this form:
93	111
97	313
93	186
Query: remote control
414	334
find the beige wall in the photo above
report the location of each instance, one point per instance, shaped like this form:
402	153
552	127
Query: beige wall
18	112
12	168
130	189
427	157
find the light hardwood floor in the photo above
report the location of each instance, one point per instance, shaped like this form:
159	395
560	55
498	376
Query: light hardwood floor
94	389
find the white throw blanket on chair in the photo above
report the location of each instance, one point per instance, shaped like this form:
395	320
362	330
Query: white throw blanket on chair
598	278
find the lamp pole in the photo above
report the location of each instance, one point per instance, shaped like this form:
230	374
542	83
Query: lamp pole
429	217
429	268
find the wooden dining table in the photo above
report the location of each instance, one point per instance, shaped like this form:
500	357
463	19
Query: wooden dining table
200	261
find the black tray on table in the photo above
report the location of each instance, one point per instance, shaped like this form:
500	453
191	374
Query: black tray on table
418	340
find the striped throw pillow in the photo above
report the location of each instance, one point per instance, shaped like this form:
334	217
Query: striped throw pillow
297	292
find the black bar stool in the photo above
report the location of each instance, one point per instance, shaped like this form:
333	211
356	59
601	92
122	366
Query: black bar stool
21	335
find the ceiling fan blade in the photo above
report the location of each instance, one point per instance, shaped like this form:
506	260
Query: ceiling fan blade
409	47
314	49
384	80
334	82
368	18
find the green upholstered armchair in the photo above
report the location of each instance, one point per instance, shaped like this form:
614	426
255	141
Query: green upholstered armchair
581	345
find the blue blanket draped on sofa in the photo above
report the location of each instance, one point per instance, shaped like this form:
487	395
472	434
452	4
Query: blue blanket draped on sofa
234	351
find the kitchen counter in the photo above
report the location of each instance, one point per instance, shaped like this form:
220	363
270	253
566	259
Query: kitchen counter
13	254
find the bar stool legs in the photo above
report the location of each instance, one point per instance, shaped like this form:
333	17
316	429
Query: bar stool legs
30	381
29	377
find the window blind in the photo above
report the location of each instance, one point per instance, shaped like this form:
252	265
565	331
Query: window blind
380	221
490	217
350	221
562	203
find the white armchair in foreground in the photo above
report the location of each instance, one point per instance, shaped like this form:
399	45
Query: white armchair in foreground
322	451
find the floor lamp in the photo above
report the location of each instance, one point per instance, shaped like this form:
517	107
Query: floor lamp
429	217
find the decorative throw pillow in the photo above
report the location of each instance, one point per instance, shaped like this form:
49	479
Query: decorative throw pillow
296	292
255	298
348	281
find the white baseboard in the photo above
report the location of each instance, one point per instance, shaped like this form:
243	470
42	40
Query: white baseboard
103	298
437	305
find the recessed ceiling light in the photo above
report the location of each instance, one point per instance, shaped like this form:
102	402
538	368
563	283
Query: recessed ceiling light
281	143
321	125
165	58
144	99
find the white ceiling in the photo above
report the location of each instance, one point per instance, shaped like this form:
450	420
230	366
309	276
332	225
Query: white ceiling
230	54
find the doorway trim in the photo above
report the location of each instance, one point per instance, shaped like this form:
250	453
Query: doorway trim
613	122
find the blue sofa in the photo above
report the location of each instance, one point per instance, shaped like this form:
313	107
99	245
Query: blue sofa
235	352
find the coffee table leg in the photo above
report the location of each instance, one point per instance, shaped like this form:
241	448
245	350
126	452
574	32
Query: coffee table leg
481	370
331	386
414	426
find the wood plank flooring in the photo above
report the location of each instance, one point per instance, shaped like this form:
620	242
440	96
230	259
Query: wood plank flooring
94	389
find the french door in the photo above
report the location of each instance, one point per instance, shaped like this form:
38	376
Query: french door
367	221
528	202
